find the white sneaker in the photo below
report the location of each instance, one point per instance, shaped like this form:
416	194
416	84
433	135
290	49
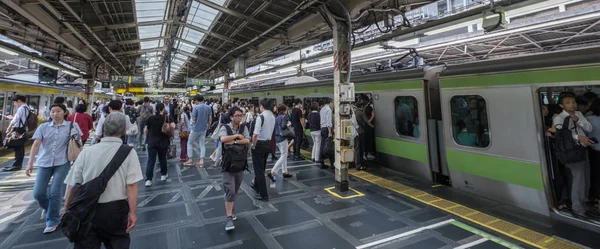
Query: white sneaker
148	183
50	229
164	178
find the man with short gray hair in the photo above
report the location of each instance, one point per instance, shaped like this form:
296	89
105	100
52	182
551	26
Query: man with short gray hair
119	200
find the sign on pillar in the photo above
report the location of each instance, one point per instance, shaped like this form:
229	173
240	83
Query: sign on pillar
225	95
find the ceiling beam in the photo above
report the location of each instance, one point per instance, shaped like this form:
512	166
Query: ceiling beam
135	41
129	25
233	13
194	56
141	51
213	34
35	14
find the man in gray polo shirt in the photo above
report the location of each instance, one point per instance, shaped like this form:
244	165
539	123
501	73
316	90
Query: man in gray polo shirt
233	180
119	201
261	147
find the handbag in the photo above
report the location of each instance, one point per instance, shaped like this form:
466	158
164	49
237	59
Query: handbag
166	128
286	132
73	147
133	130
183	134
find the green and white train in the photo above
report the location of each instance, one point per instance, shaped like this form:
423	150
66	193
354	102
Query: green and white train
477	127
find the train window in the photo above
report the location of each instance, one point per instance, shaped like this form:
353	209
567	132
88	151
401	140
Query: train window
288	100
9	106
407	116
470	121
33	102
2	104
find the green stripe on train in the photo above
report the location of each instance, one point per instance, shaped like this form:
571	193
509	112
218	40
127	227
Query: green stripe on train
367	87
500	169
523	78
404	149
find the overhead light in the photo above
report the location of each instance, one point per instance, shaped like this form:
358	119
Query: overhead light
10	52
71	73
45	64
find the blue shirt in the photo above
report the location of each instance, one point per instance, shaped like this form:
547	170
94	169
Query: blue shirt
53	151
201	113
280	122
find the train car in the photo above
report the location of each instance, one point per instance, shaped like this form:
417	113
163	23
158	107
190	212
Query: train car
39	98
477	127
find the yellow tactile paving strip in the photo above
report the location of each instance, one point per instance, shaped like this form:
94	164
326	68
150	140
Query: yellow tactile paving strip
514	231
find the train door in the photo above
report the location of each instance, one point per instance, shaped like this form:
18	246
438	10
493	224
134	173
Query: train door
4	122
435	128
559	178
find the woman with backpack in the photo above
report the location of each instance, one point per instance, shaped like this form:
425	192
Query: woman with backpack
184	132
158	142
50	147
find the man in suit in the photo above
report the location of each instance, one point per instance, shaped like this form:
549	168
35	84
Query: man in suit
169	107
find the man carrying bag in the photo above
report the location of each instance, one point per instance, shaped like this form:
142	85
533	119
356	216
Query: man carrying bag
102	197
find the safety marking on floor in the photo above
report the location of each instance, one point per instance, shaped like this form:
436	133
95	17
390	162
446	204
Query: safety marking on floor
404	234
358	194
516	232
486	237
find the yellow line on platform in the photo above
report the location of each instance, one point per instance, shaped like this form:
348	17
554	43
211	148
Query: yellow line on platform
358	194
509	229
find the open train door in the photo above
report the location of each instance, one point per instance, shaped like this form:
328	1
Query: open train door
435	127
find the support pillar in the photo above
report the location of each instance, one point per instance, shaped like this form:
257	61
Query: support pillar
342	88
225	94
89	94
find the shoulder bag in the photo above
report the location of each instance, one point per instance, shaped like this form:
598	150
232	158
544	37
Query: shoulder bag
76	223
73	147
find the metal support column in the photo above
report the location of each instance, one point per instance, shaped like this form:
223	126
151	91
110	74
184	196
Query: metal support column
89	94
342	89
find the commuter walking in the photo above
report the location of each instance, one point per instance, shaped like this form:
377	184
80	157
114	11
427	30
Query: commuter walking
235	138
158	143
282	144
184	133
314	124
50	148
201	119
298	124
17	127
261	146
146	111
83	120
115	214
326	132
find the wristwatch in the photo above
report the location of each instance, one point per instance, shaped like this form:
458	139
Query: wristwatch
235	141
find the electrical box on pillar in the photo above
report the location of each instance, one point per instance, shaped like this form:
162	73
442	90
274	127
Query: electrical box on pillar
343	95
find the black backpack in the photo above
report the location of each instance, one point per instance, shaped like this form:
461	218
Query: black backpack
253	124
32	120
235	156
565	148
76	223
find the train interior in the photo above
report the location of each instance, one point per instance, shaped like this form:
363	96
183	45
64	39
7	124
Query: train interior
559	175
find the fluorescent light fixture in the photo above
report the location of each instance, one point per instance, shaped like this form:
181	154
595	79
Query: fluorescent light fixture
43	63
7	51
71	73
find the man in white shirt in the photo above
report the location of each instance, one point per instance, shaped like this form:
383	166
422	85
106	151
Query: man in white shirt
119	200
326	130
261	147
18	124
580	171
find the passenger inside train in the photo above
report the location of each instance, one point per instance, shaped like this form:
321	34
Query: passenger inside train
575	174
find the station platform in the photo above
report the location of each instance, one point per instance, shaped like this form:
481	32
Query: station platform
385	209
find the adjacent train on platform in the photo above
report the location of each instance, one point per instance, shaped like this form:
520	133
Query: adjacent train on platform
38	98
476	127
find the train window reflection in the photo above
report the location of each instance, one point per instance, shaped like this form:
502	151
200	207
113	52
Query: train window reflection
470	121
407	116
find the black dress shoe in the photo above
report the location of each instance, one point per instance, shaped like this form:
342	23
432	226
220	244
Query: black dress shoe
270	175
261	198
253	187
287	175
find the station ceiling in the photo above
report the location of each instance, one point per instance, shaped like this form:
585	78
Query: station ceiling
203	36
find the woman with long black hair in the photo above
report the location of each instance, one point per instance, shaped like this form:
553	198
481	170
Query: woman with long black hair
158	143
